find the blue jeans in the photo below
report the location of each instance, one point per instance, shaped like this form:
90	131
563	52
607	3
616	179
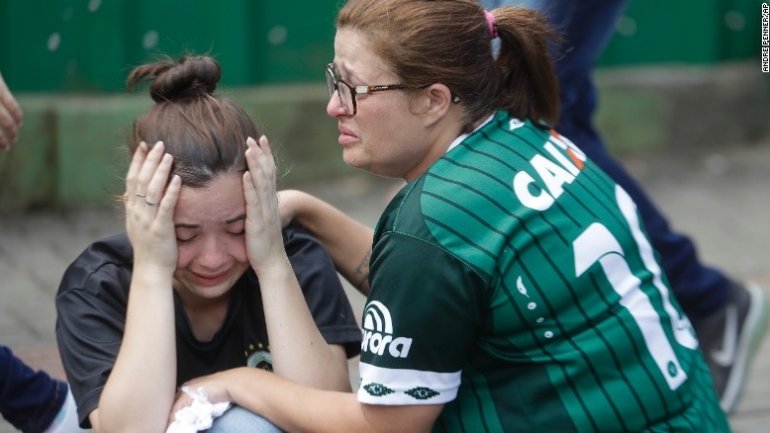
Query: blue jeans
586	27
29	399
238	419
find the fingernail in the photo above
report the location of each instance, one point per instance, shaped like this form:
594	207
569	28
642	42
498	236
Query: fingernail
250	141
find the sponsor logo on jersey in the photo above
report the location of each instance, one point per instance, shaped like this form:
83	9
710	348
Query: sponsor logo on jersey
378	335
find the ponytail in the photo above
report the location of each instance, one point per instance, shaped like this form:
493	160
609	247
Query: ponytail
529	88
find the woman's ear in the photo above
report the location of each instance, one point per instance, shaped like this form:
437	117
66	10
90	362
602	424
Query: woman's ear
433	103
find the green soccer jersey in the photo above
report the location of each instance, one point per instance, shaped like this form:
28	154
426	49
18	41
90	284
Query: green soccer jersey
513	283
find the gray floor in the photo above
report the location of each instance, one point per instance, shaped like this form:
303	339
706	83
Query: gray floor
719	196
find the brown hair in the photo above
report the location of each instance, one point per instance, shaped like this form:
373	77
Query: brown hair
447	41
205	134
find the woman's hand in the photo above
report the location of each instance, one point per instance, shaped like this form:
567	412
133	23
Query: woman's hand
348	241
214	386
150	206
286	208
264	242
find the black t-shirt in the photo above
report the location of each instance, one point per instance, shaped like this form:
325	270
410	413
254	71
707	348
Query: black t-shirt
93	296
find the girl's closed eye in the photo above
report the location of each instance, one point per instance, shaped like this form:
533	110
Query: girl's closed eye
237	226
184	236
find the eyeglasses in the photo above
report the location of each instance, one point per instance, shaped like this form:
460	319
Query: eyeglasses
347	92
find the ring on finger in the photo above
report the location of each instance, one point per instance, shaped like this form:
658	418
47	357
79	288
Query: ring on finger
149	203
139	194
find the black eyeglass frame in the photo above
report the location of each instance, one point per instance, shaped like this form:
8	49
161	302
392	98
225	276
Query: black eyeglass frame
333	81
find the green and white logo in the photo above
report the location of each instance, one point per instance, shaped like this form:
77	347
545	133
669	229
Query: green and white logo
377	333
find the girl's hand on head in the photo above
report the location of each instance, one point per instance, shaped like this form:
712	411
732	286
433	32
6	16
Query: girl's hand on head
264	242
150	206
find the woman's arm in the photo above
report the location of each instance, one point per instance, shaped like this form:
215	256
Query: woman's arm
299	351
348	241
139	393
297	408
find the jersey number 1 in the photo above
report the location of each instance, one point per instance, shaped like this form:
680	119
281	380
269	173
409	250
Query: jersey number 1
597	245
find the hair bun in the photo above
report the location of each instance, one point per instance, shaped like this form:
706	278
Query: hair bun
188	77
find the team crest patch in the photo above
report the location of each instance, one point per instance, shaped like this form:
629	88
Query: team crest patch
260	357
378	389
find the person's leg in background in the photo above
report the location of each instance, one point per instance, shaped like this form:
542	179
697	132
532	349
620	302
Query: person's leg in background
588	26
32	401
729	318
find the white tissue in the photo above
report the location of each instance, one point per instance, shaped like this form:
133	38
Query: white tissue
197	416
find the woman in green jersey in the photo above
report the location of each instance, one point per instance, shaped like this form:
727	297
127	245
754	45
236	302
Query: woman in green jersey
511	285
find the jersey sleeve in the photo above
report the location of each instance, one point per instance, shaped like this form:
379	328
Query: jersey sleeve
322	289
89	329
421	319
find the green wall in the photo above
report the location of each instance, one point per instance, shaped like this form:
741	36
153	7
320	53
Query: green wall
90	45
685	31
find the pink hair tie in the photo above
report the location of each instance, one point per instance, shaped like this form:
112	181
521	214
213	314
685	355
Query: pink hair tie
491	24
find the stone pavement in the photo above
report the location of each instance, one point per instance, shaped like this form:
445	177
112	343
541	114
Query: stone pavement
720	196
